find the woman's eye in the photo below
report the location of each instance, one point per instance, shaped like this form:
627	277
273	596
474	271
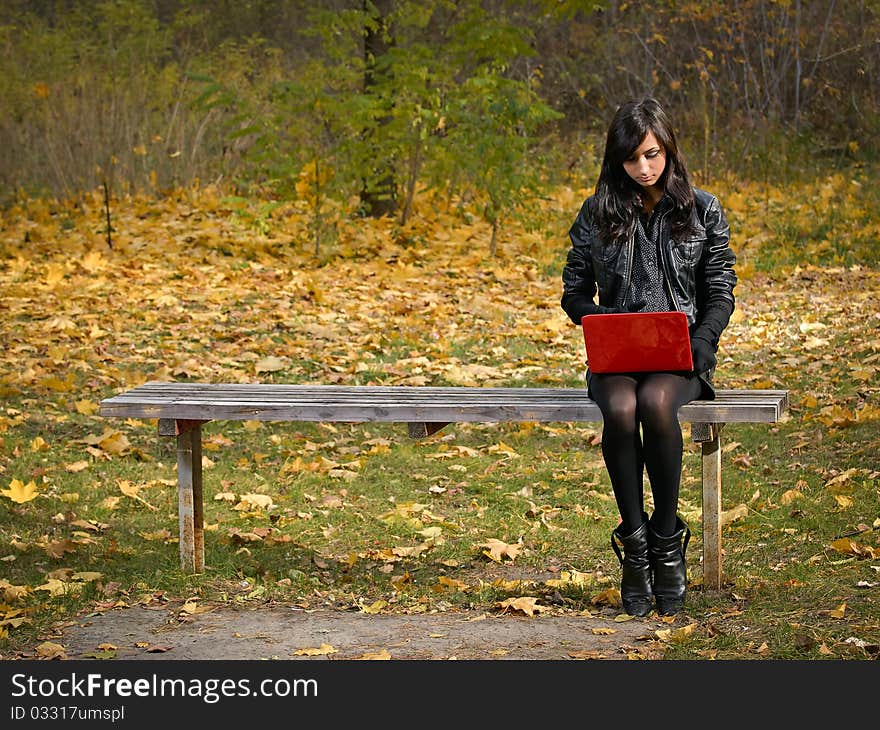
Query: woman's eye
652	154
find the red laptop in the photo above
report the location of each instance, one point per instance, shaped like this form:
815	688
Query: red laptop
632	342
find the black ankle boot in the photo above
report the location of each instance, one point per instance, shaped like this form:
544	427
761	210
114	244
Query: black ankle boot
666	555
635	585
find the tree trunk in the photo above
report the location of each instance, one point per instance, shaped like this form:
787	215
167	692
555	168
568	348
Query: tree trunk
493	243
415	164
379	190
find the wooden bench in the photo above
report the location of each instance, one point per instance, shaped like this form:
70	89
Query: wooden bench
181	409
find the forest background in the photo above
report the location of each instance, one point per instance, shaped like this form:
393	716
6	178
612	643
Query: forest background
369	193
354	107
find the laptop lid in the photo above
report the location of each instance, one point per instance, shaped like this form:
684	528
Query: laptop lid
632	342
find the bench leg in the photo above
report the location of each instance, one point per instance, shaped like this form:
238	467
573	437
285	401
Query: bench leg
711	450
190	509
189	500
423	430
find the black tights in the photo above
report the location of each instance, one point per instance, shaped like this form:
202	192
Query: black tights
649	400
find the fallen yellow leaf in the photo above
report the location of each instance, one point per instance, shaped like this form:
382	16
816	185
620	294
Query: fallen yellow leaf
444	582
608	597
573	578
163	534
57	548
55	587
410	552
322	650
131	490
192	607
497	550
110	503
790	495
86	407
254	502
375	607
733	514
19	492
50	650
270	365
12	592
502	448
851	547
526	604
381	655
114	442
672	635
87	576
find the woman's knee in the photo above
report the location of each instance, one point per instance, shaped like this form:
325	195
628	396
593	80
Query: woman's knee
657	409
620	412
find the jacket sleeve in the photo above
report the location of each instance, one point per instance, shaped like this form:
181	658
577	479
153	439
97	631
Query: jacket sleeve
716	277
578	281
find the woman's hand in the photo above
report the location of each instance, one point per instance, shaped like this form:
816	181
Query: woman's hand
703	355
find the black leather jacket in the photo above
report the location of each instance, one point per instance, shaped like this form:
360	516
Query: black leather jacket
698	269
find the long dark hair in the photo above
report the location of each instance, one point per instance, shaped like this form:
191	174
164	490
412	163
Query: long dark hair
618	196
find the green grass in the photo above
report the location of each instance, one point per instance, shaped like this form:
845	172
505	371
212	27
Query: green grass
335	537
362	516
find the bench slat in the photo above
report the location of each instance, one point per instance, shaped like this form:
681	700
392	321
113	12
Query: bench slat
283	402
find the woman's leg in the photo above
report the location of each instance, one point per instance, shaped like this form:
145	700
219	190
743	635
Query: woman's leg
621	444
622	450
659	396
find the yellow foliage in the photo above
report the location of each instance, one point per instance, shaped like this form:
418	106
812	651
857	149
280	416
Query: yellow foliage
19	492
524	604
51	650
322	650
498	550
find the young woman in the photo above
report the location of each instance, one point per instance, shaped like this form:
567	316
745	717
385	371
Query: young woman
647	240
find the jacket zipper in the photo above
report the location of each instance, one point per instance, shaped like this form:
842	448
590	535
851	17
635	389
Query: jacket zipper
666	276
629	266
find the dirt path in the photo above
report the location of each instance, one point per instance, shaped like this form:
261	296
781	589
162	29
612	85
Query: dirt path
279	632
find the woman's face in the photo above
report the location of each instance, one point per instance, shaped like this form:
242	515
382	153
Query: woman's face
647	162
